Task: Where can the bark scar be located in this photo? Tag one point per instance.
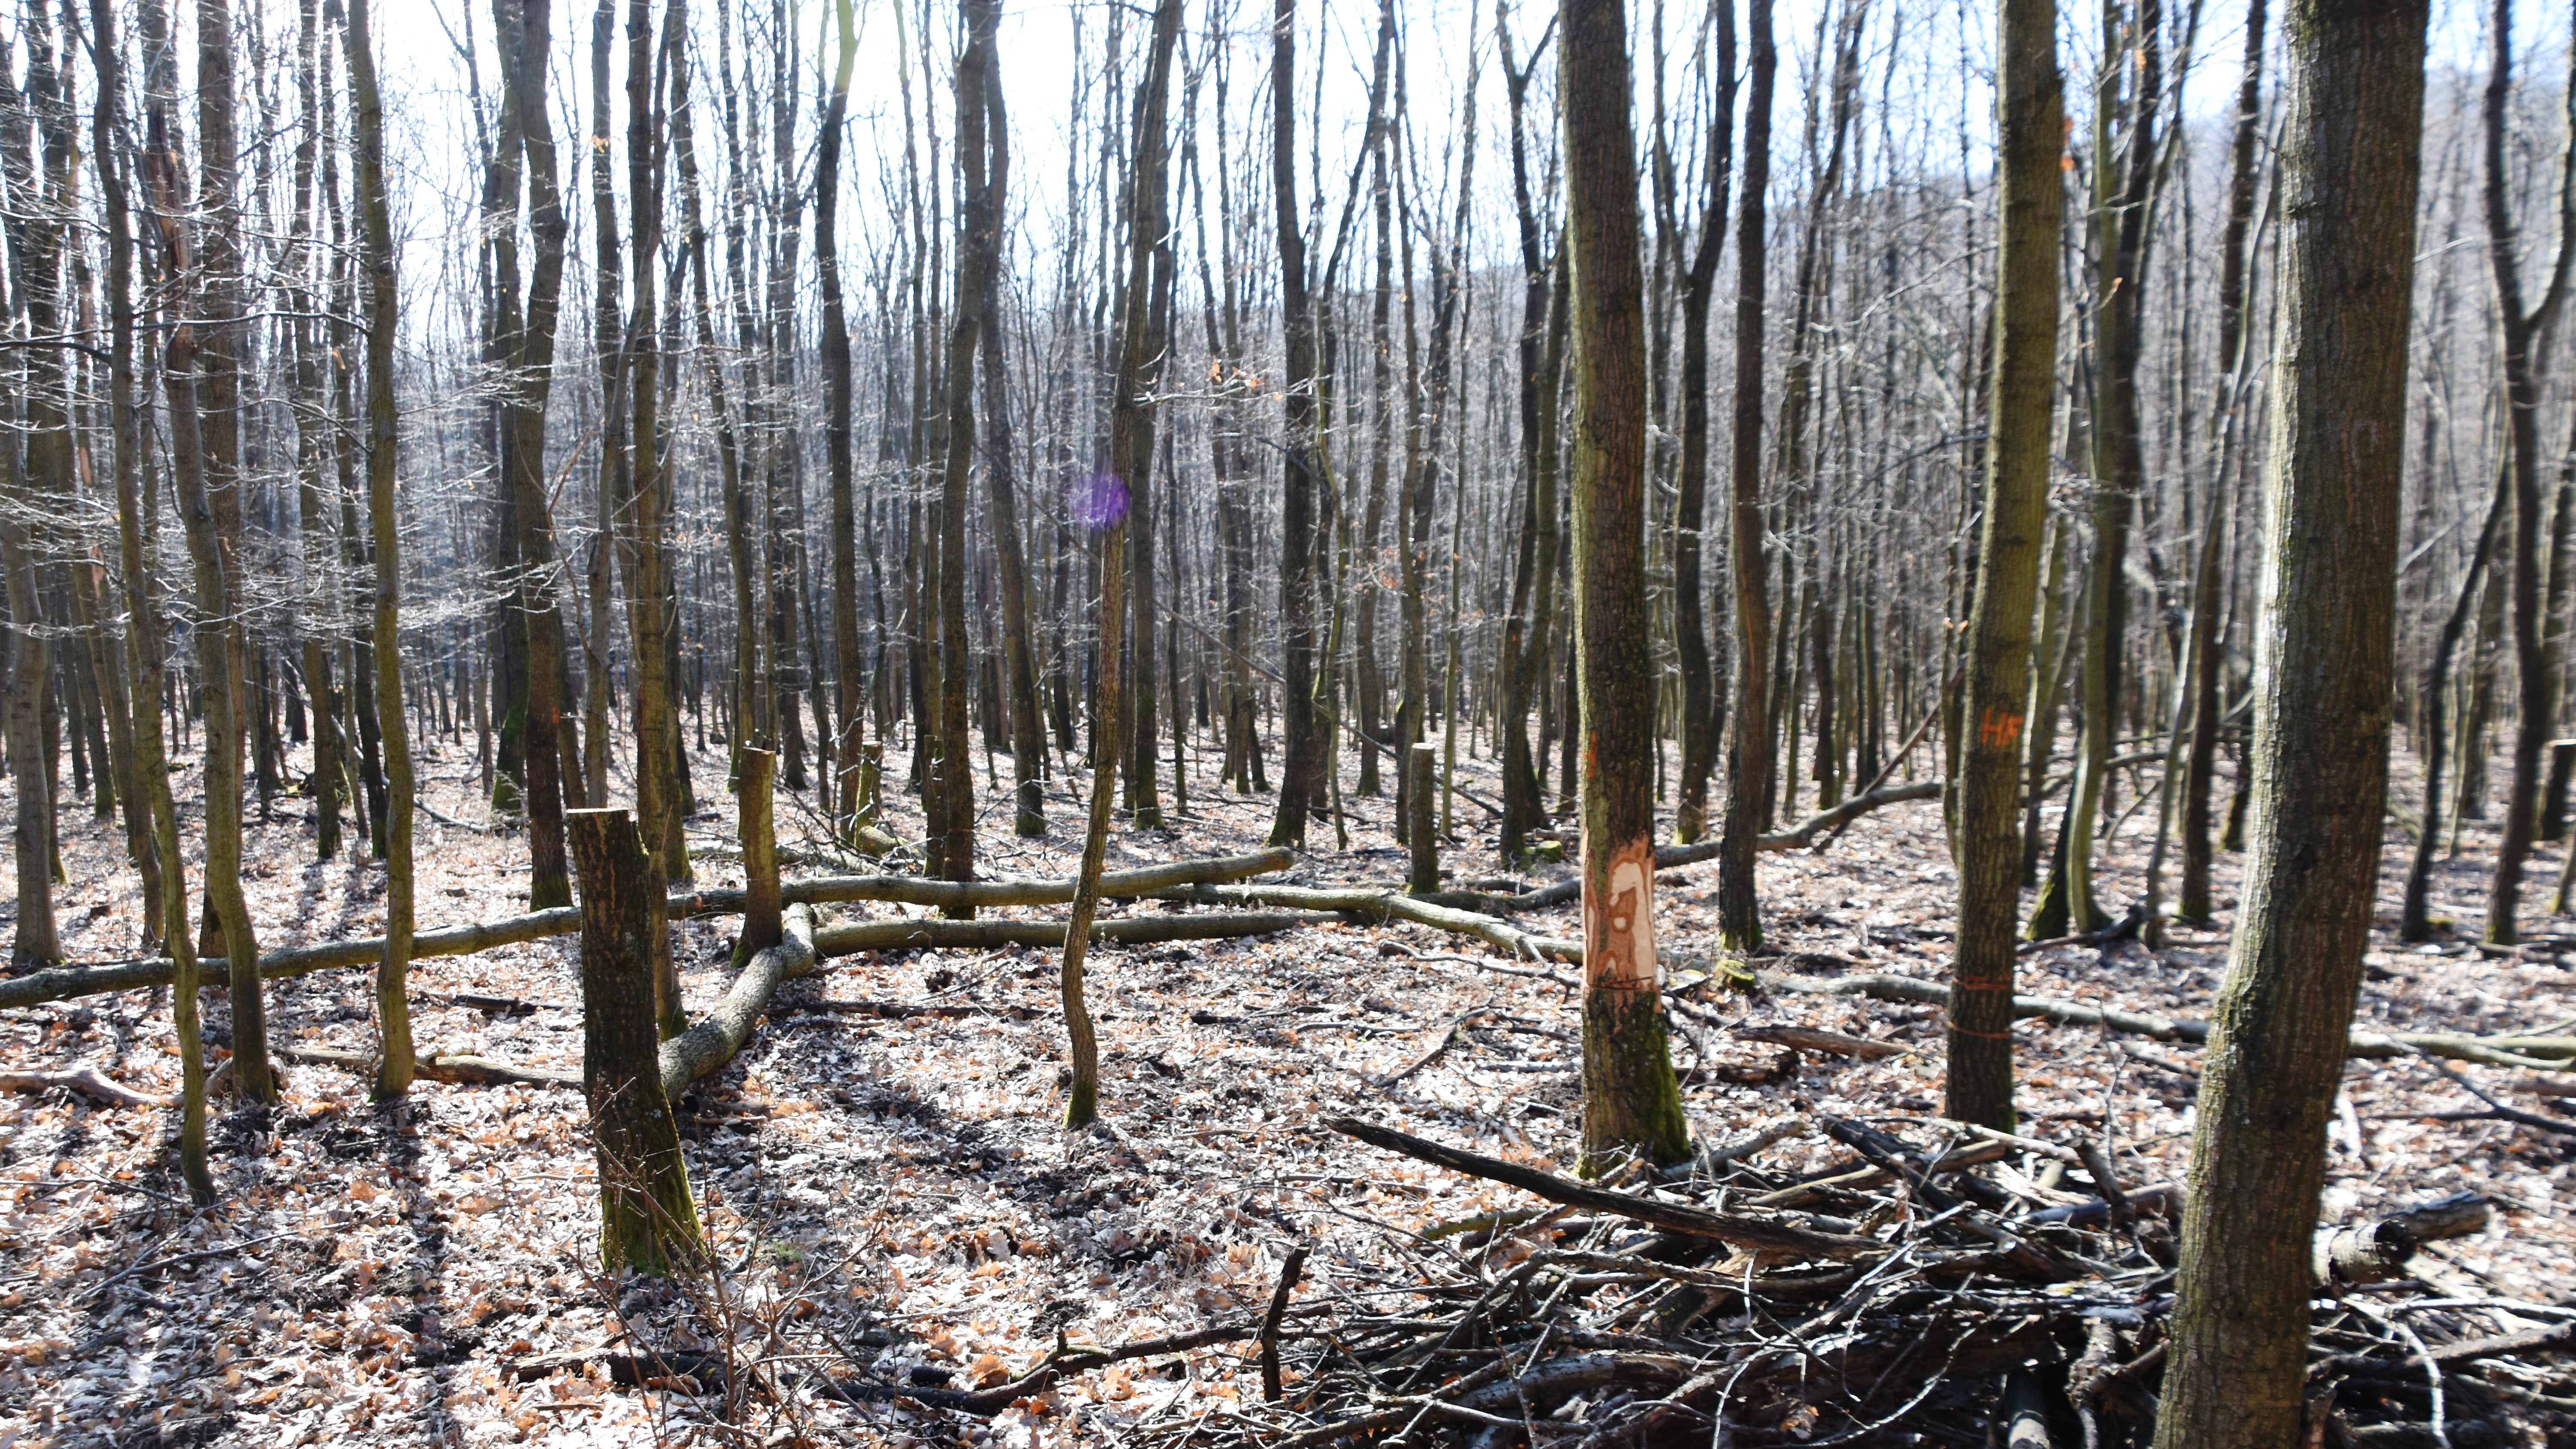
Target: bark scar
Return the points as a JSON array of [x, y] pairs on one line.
[[1621, 951]]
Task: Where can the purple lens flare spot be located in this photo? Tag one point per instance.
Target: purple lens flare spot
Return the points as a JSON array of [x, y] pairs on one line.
[[1098, 500]]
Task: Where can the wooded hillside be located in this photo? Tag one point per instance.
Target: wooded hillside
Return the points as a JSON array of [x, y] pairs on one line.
[[1582, 726]]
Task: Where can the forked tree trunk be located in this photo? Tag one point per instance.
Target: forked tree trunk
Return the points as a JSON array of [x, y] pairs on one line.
[[1699, 286]]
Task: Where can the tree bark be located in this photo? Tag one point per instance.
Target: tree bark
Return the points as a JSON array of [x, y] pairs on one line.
[[2521, 367], [1748, 756], [1301, 772], [216, 676], [376, 259], [1631, 1103], [2031, 106], [2322, 689], [144, 654], [648, 1221]]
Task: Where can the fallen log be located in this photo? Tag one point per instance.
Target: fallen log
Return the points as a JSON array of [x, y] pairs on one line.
[[702, 1050], [459, 1068], [1673, 857], [1378, 907], [713, 1039], [2376, 1251], [1778, 1238], [851, 937], [920, 891], [89, 1082], [2551, 1053], [65, 983]]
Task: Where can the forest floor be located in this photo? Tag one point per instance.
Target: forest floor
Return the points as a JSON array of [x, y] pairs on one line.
[[898, 1193]]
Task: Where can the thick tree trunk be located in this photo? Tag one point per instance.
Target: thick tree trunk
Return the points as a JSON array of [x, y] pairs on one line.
[[2031, 105], [1631, 1104], [2237, 1371], [648, 1220]]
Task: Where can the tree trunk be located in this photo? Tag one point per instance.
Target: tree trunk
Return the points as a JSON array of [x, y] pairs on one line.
[[2237, 1370], [1748, 756], [952, 827], [143, 644], [393, 1009], [2031, 105], [849, 697], [2522, 431], [1301, 773], [216, 676], [2202, 669], [1699, 285], [648, 1220], [1631, 1104]]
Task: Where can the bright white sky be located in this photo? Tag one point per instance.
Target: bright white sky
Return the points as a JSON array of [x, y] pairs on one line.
[[1943, 54]]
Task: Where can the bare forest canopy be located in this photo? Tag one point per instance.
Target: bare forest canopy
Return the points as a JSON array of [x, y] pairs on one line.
[[1210, 475]]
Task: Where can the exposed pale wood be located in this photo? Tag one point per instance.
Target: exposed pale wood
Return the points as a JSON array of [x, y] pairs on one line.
[[87, 1081], [713, 1039]]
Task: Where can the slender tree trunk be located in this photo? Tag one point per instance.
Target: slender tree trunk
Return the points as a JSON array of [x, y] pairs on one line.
[[2202, 669], [1698, 287], [848, 678], [2237, 1372], [952, 828], [143, 644], [2522, 431], [2031, 105], [1748, 756], [1301, 773], [376, 260]]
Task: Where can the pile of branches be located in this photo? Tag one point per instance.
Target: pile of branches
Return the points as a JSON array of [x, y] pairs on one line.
[[1937, 1290]]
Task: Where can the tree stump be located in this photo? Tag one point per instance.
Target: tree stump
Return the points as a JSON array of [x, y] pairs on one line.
[[647, 1220]]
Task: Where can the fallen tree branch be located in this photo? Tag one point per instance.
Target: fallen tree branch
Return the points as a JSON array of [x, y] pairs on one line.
[[712, 1040], [460, 1068], [89, 1082], [855, 936], [1760, 1234], [921, 891], [1673, 857], [2515, 1051], [65, 983]]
